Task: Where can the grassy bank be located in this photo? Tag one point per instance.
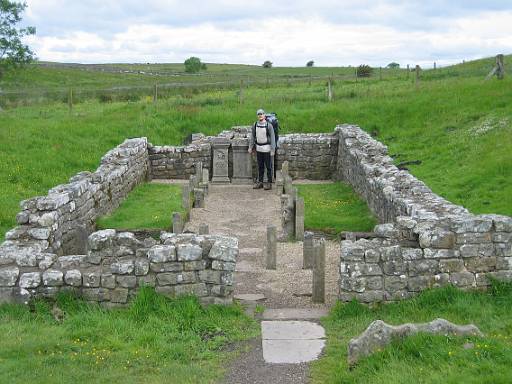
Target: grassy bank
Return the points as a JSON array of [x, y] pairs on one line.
[[425, 358], [148, 206], [458, 126], [333, 208], [155, 340]]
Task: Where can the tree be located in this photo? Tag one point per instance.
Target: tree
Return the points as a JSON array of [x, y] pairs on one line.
[[267, 64], [13, 53], [364, 70], [393, 65], [193, 65], [310, 63]]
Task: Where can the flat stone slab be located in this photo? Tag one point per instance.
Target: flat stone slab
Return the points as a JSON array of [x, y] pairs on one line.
[[291, 330], [295, 313], [291, 342], [291, 351], [249, 297]]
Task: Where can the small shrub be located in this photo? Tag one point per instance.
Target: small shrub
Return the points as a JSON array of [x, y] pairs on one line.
[[105, 98], [310, 63], [364, 71], [267, 64]]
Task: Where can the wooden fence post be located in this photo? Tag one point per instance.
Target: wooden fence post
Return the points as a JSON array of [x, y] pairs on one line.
[[500, 67], [417, 78], [329, 90], [155, 93]]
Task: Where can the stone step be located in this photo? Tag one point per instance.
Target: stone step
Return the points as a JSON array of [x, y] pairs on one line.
[[294, 313]]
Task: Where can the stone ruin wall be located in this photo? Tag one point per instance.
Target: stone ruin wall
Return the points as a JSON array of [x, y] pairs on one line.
[[117, 264], [425, 242]]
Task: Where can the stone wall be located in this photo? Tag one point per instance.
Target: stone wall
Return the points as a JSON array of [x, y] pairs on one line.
[[310, 156], [426, 241], [116, 264], [60, 222], [168, 162]]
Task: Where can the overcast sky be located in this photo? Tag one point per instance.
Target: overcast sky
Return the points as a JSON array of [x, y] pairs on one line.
[[288, 33]]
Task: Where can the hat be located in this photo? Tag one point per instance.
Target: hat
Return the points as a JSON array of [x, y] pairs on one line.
[[260, 112]]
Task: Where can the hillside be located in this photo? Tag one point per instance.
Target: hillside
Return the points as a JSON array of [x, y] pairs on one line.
[[457, 124]]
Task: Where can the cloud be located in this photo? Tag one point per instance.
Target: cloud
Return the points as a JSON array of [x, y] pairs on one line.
[[330, 33]]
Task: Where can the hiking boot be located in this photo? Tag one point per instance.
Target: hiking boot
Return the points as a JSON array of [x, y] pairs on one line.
[[267, 186], [258, 186]]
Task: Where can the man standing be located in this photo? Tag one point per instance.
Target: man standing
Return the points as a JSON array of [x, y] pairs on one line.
[[263, 141]]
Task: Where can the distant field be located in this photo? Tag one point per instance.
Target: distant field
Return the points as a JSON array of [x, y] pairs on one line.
[[456, 123]]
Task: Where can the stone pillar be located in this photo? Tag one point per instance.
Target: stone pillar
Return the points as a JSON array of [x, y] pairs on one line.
[[203, 229], [285, 169], [177, 222], [279, 183], [185, 197], [242, 166], [307, 251], [271, 250], [199, 172], [287, 218], [299, 219], [220, 147], [287, 184], [318, 271], [198, 198], [206, 176]]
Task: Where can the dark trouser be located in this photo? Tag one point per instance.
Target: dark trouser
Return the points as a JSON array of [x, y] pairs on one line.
[[264, 162]]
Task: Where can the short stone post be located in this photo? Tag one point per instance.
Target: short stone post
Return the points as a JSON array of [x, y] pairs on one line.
[[177, 222], [242, 165], [220, 148], [203, 229], [307, 250], [206, 176], [299, 219], [500, 67], [417, 78], [319, 271], [198, 198], [192, 182], [185, 197], [270, 261], [279, 183], [285, 168], [199, 172]]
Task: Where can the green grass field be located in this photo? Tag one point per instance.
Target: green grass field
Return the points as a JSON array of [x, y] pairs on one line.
[[333, 208], [155, 340], [148, 206], [424, 358], [456, 123]]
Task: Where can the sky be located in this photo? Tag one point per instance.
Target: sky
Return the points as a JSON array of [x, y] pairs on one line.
[[288, 33]]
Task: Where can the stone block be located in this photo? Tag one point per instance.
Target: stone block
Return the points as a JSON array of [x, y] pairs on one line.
[[108, 280], [166, 267], [463, 279], [394, 267], [437, 238], [354, 269], [441, 279], [472, 224], [9, 276], [141, 266], [420, 283], [209, 276], [91, 279], [469, 250], [122, 267], [374, 283], [30, 280], [502, 223], [127, 239], [167, 290], [73, 277], [504, 263], [189, 252], [451, 265], [353, 284], [94, 257], [53, 278], [372, 256], [96, 294], [502, 237], [412, 253], [390, 253], [198, 289], [101, 239], [387, 230], [480, 264], [126, 281], [395, 283], [162, 254], [167, 278], [147, 280], [119, 295], [194, 265], [503, 249], [225, 249], [223, 266], [440, 253], [222, 290], [371, 296], [422, 267], [46, 260], [186, 277], [226, 278], [39, 233], [474, 238], [351, 251]]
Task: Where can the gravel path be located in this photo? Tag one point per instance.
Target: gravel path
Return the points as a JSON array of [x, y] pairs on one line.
[[238, 210]]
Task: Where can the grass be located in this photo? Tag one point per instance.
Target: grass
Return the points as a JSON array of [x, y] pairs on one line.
[[457, 124], [333, 208], [155, 340], [424, 358], [148, 206]]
